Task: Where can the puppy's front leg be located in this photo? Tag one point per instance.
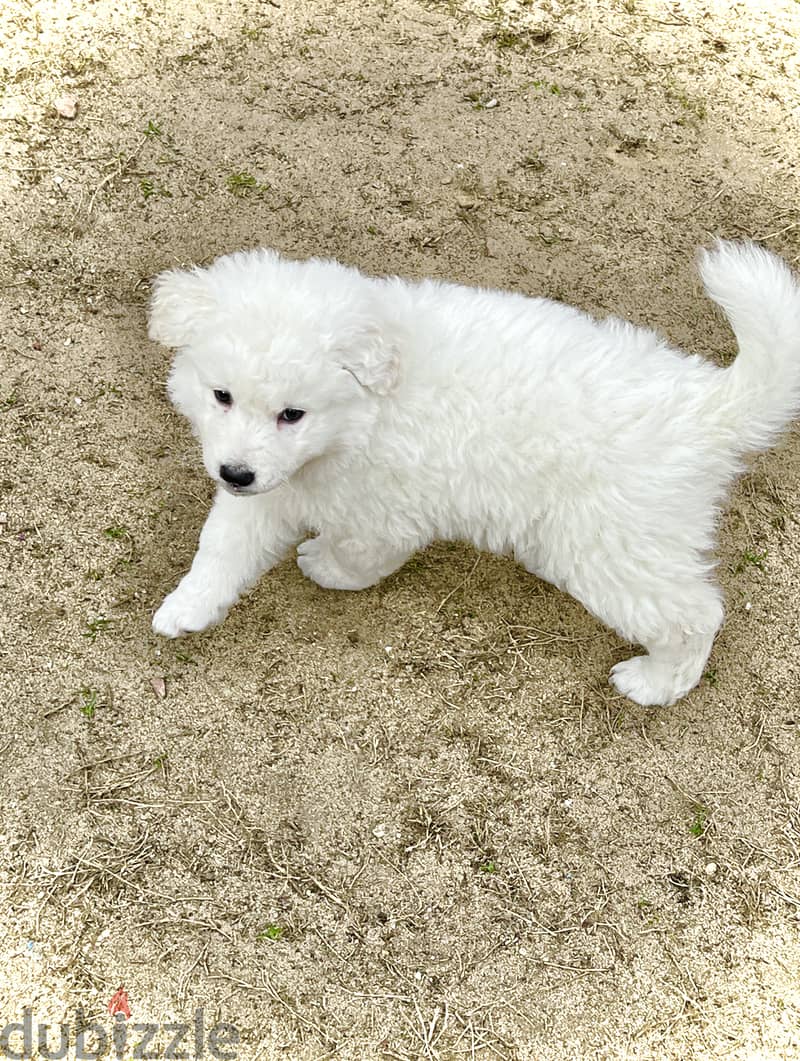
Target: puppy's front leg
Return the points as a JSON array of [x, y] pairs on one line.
[[242, 538]]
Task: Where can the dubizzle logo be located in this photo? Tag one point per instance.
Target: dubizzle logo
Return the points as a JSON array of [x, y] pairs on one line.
[[85, 1041]]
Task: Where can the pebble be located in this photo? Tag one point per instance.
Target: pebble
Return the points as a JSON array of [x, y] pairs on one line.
[[66, 106]]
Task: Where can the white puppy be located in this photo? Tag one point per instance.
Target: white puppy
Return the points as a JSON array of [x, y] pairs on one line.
[[379, 415]]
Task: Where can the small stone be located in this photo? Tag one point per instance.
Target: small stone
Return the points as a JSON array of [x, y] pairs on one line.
[[547, 233], [66, 106]]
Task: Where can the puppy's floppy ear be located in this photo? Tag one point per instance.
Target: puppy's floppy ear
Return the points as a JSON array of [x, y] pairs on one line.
[[371, 357], [181, 305]]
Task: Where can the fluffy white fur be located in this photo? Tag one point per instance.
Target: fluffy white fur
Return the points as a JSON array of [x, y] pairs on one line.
[[592, 452]]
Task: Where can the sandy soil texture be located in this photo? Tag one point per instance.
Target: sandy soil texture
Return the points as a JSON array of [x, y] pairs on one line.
[[413, 822]]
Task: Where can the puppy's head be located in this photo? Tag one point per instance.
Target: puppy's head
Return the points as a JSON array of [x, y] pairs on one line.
[[279, 363]]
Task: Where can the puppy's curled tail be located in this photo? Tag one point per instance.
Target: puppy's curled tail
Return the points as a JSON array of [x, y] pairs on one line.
[[760, 392]]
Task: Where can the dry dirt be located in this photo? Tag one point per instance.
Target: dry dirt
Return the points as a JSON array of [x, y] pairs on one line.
[[413, 822]]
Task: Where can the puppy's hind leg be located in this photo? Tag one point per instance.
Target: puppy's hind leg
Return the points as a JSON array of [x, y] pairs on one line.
[[677, 651], [675, 617]]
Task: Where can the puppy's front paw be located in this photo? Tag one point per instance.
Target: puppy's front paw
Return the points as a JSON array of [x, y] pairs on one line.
[[185, 612]]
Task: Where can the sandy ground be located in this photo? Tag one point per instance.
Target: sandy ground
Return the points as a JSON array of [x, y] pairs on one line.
[[413, 822]]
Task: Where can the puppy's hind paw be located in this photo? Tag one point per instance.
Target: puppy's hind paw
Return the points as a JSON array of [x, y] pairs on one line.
[[646, 682]]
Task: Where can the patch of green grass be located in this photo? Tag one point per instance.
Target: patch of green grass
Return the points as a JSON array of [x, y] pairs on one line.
[[711, 676], [751, 559], [253, 33], [487, 867], [95, 627], [152, 129], [115, 533], [149, 188], [694, 109], [105, 389], [89, 703], [243, 183], [694, 106], [546, 86], [240, 183], [270, 932], [699, 822], [9, 402]]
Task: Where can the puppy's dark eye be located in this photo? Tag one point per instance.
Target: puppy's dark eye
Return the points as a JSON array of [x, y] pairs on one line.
[[291, 416], [224, 397]]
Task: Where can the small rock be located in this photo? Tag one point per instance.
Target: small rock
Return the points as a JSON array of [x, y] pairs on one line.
[[159, 686], [547, 233], [66, 106]]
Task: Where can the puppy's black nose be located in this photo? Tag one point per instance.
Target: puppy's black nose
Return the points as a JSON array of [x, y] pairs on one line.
[[236, 475]]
